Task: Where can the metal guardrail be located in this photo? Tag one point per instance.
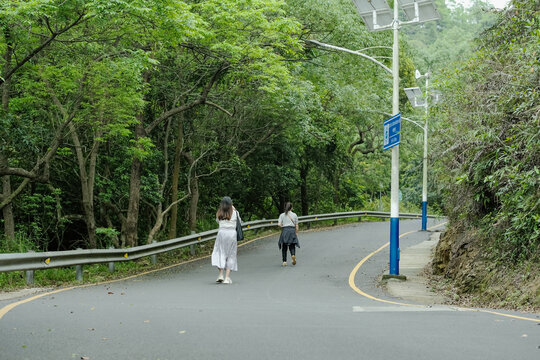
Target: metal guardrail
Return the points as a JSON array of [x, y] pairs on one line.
[[52, 259]]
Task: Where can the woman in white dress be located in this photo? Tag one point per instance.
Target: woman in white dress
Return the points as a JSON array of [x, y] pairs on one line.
[[225, 247]]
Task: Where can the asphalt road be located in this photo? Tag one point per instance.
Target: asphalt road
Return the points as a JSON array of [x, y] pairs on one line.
[[308, 311]]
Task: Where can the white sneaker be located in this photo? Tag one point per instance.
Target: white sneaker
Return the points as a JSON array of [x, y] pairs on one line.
[[284, 263], [219, 279], [227, 281]]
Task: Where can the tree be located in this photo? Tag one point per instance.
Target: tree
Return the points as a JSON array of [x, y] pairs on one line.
[[18, 50]]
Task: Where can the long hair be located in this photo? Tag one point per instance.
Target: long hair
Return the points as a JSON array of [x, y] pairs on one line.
[[288, 207], [224, 211]]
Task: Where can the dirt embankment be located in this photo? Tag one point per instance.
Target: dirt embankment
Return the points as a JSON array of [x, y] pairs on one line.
[[463, 272]]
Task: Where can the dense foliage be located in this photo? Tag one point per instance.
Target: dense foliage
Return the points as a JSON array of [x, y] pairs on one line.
[[488, 141], [124, 122]]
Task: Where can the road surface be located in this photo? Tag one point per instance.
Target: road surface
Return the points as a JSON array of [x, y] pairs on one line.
[[308, 311]]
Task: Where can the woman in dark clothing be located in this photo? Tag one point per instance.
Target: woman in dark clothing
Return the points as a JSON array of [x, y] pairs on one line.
[[288, 221]]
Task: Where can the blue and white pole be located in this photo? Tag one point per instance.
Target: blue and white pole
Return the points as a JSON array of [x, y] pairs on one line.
[[394, 190], [424, 182], [424, 177]]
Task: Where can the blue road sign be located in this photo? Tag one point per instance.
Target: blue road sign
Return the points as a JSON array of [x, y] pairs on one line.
[[392, 131]]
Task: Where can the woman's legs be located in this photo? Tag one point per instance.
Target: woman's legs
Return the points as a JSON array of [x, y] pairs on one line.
[[292, 249], [220, 277], [227, 278], [284, 253]]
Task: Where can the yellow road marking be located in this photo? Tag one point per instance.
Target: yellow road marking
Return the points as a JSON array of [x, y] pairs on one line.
[[7, 308], [352, 284], [355, 288]]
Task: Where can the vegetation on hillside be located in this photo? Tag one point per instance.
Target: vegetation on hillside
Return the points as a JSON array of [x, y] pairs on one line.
[[487, 149]]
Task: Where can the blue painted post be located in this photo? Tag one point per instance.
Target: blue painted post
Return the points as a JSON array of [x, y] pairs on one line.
[[424, 215], [394, 246]]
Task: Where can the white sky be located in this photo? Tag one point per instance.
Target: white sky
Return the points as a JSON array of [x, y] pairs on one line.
[[499, 4]]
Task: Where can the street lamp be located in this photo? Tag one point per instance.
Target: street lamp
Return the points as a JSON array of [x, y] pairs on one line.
[[417, 99], [415, 96], [377, 16]]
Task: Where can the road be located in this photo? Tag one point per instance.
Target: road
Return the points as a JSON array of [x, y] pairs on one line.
[[307, 311]]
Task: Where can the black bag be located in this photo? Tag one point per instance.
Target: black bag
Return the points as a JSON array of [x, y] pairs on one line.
[[239, 232]]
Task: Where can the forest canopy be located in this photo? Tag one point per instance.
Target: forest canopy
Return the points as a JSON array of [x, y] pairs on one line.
[[126, 122]]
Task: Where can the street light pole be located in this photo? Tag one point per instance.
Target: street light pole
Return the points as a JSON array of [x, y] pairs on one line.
[[394, 189], [418, 100], [424, 177], [377, 16]]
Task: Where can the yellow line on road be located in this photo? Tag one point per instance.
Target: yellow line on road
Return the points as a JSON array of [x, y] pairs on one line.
[[357, 267], [353, 273], [7, 308]]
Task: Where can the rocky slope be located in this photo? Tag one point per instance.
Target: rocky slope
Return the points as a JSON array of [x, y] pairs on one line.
[[462, 270]]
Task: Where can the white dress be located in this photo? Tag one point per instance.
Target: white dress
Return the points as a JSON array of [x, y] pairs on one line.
[[225, 247]]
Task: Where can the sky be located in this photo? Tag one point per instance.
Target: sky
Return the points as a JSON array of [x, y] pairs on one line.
[[499, 4]]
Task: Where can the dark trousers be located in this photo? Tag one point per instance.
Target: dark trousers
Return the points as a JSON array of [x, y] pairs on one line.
[[292, 249]]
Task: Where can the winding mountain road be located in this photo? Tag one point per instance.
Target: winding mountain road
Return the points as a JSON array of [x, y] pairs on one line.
[[309, 311]]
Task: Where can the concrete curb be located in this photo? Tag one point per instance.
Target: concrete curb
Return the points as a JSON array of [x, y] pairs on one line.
[[21, 293], [413, 260]]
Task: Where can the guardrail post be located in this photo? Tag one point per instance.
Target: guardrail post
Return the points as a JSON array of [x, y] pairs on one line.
[[153, 258], [259, 230], [192, 247], [335, 222], [111, 263], [30, 274], [308, 225], [359, 219], [79, 271]]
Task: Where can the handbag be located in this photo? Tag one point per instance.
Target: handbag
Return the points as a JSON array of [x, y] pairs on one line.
[[239, 232]]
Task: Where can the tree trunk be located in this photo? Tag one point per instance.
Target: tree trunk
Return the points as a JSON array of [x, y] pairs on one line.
[[304, 168], [132, 217], [194, 192], [157, 225], [336, 191], [160, 214], [9, 221], [175, 176], [193, 203], [129, 228], [87, 184], [280, 199]]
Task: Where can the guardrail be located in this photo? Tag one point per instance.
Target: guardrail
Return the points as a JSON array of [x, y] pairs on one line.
[[52, 259]]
